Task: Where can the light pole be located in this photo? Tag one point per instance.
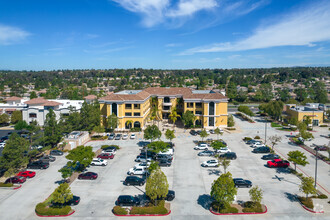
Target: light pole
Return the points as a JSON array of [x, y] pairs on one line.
[[315, 168]]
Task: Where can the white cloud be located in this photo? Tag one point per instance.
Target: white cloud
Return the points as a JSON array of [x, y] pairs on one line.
[[189, 7], [303, 28], [11, 35], [173, 45]]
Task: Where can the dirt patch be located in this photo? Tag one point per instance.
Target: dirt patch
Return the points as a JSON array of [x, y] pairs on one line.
[[73, 177]]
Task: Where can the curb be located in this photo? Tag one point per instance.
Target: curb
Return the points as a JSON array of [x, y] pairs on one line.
[[17, 187], [240, 213], [310, 210], [55, 215], [137, 215]]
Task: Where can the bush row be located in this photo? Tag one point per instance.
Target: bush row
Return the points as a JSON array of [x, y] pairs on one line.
[[105, 146], [308, 202], [119, 210], [42, 209], [98, 137], [245, 109], [321, 196], [136, 129], [220, 208], [252, 207], [6, 184]]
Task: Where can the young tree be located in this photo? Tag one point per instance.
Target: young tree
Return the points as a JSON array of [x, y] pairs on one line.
[[218, 132], [255, 194], [52, 130], [4, 119], [33, 95], [174, 116], [82, 154], [225, 163], [129, 124], [98, 129], [307, 186], [274, 140], [297, 157], [62, 194], [188, 118], [223, 190], [217, 145], [169, 134], [66, 172], [16, 116], [20, 125], [230, 122], [152, 132], [158, 146], [90, 115], [153, 166], [157, 185], [112, 122], [203, 134]]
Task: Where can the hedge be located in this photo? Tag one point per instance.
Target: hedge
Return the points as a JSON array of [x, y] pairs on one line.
[[223, 209], [252, 207], [245, 109], [257, 137], [105, 146], [323, 125], [119, 210], [321, 196], [136, 129], [6, 184], [230, 128], [247, 139], [42, 209], [306, 202], [98, 137], [159, 209], [275, 125]]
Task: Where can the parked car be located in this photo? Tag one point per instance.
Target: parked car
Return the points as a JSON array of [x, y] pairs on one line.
[[125, 137], [36, 147], [261, 150], [239, 182], [210, 163], [27, 174], [257, 144], [74, 201], [99, 162], [164, 163], [249, 142], [48, 159], [111, 136], [38, 165], [88, 176], [137, 171], [109, 151], [169, 151], [223, 150], [142, 158], [199, 132], [164, 157], [212, 131], [321, 148], [149, 153], [143, 165], [229, 155], [278, 163], [202, 146], [206, 153], [106, 156], [56, 153], [118, 137], [169, 197], [134, 180], [270, 157], [16, 179], [133, 136], [193, 133], [2, 145], [127, 200]]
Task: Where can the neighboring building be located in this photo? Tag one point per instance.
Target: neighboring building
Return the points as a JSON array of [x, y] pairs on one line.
[[90, 98], [134, 106], [38, 108], [12, 104], [301, 112], [76, 138]]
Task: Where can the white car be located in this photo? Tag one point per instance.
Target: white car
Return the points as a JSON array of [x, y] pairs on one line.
[[98, 162], [142, 165], [133, 136], [110, 151], [223, 150], [169, 152], [202, 146], [210, 163], [257, 144], [125, 137], [2, 145], [136, 171]]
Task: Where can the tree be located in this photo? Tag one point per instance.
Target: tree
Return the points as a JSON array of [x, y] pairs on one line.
[[204, 134], [112, 122], [266, 92], [297, 157], [320, 92], [218, 132], [158, 146], [4, 119], [153, 166], [223, 190], [13, 158], [33, 95], [273, 108], [62, 194], [16, 116], [157, 185], [293, 121], [174, 116], [90, 116], [82, 154], [169, 134], [188, 118], [66, 172], [225, 163], [152, 132], [230, 122], [98, 129], [307, 186], [255, 194], [52, 131], [217, 145], [307, 120], [274, 140], [284, 94], [129, 124], [20, 125], [301, 94]]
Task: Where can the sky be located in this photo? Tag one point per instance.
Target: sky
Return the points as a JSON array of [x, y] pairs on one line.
[[163, 34]]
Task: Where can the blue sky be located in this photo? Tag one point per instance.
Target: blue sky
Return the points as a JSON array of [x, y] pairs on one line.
[[166, 34]]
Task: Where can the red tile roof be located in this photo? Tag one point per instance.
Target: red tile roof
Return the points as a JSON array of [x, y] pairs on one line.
[[13, 98], [36, 101], [51, 103], [90, 97]]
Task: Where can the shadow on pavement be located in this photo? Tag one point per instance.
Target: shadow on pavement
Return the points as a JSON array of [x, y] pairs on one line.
[[291, 197], [214, 172], [205, 201], [283, 170]]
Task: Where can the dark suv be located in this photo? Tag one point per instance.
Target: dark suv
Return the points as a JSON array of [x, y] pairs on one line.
[[38, 165], [229, 155], [193, 133], [134, 180], [126, 200], [163, 157], [56, 153], [74, 201], [164, 163], [169, 197], [261, 150]]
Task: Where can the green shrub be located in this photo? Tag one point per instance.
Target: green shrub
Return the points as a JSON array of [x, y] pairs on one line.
[[247, 138], [119, 210], [324, 125], [322, 196], [99, 137], [6, 184], [136, 129], [245, 109], [293, 128], [42, 209], [231, 129], [275, 125], [285, 124], [105, 146], [306, 202], [257, 137], [309, 129], [159, 209], [223, 208], [252, 207]]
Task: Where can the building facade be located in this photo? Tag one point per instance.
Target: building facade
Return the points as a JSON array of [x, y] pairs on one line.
[[133, 107], [301, 113]]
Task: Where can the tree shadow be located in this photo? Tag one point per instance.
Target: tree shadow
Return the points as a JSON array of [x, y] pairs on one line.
[[143, 143], [291, 197], [214, 172], [205, 201], [282, 170]]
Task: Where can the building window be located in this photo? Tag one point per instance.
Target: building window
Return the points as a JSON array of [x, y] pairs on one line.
[[211, 121], [128, 106], [211, 108], [33, 115], [167, 100], [128, 113], [137, 114], [166, 107], [136, 106], [198, 112], [198, 105], [190, 105]]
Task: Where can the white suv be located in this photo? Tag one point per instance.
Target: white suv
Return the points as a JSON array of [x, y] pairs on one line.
[[98, 162], [223, 150], [257, 144], [136, 171], [202, 146], [142, 165], [210, 163], [110, 151]]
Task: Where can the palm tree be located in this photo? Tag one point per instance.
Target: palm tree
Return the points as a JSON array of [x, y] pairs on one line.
[[174, 116], [129, 123]]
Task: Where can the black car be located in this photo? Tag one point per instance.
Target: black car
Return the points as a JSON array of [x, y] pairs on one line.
[[47, 159], [261, 150], [249, 142], [38, 165], [134, 180], [118, 137], [199, 132], [126, 200], [164, 157], [142, 158], [169, 197], [111, 136], [111, 147], [229, 155], [74, 201], [149, 153], [164, 163], [193, 133], [239, 182], [206, 153], [270, 157], [2, 172], [321, 148], [56, 153]]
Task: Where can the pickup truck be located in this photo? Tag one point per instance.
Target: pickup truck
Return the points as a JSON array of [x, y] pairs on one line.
[[278, 163]]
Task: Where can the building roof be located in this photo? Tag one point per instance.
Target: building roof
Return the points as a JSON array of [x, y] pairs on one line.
[[13, 98], [51, 103], [90, 97], [36, 101]]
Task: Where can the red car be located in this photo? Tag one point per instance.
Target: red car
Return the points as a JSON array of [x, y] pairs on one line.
[[106, 156], [27, 174], [278, 163], [88, 176], [16, 179]]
